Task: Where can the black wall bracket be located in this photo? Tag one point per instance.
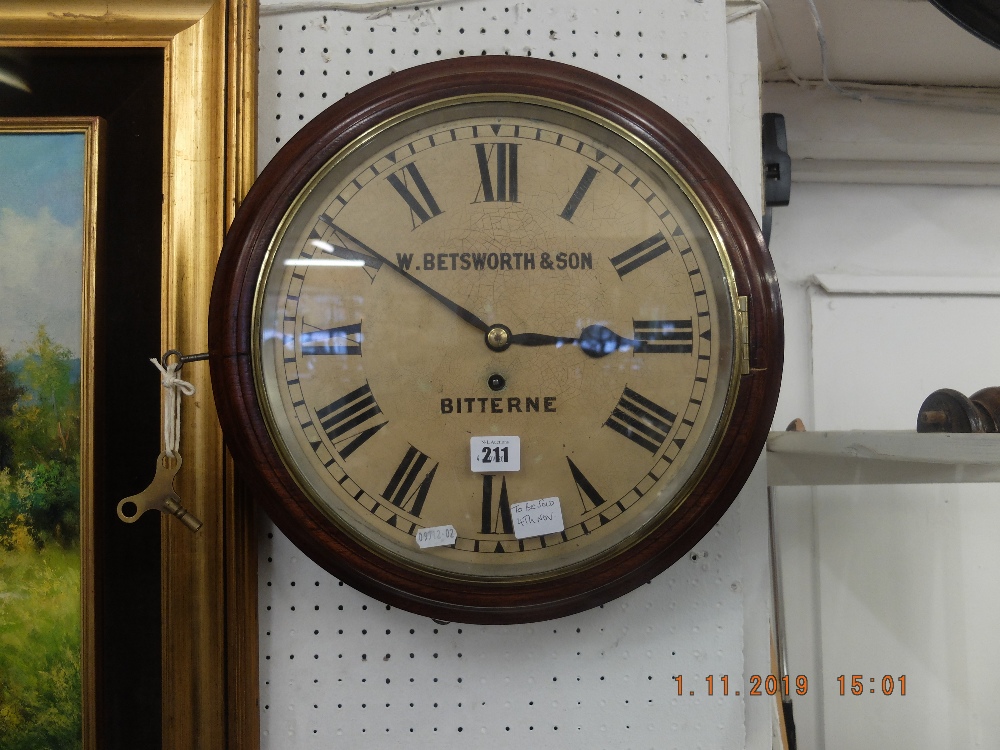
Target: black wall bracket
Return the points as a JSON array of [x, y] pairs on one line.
[[777, 167]]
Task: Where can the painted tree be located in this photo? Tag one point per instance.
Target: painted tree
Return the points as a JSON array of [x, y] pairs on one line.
[[46, 420], [10, 393], [45, 434]]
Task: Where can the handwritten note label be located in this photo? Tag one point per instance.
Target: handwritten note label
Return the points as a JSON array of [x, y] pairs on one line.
[[537, 517], [436, 536], [496, 453]]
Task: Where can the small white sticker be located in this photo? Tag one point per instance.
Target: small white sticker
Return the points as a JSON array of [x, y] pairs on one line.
[[436, 536], [537, 517], [496, 453]]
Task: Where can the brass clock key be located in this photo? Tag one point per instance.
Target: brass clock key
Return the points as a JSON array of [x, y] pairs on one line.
[[159, 495]]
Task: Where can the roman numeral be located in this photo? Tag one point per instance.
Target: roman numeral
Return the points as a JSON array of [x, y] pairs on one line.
[[640, 254], [423, 208], [581, 190], [642, 421], [663, 336], [400, 490], [496, 515], [334, 240], [341, 418], [584, 488], [498, 159], [340, 340]]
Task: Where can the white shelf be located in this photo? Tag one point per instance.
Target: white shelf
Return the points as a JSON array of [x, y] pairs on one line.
[[881, 457], [949, 286]]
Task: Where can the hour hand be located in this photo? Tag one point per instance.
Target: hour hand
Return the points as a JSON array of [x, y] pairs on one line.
[[595, 341]]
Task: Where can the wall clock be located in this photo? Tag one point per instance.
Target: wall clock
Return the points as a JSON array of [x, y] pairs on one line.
[[495, 340]]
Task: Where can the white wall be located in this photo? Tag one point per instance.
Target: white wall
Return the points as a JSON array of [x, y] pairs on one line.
[[889, 580]]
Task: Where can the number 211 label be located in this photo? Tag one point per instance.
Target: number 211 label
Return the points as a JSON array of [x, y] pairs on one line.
[[496, 453]]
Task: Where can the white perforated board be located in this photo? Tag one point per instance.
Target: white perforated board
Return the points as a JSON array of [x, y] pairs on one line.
[[671, 51], [339, 669]]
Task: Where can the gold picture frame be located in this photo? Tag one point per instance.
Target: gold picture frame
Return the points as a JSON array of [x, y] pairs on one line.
[[208, 580], [56, 190]]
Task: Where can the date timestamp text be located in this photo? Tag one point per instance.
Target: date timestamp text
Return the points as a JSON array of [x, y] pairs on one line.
[[857, 684], [786, 685], [759, 685]]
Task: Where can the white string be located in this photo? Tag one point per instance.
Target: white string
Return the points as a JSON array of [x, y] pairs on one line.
[[172, 405]]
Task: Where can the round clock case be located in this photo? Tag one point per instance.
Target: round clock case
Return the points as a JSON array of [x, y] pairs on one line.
[[484, 257]]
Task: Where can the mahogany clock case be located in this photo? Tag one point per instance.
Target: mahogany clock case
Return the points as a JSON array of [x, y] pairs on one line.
[[231, 333]]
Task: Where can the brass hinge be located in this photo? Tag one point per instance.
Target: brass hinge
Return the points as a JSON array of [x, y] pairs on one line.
[[743, 325]]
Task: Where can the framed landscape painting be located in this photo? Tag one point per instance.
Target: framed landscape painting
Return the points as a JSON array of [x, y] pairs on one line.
[[49, 210]]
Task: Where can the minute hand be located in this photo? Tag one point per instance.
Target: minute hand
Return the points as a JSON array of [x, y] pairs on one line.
[[595, 341], [460, 311]]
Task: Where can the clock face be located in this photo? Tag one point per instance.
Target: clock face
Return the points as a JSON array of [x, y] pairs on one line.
[[496, 342]]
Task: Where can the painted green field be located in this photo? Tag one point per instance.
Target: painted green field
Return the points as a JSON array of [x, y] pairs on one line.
[[39, 647]]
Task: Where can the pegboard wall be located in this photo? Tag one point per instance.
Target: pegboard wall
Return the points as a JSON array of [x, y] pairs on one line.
[[339, 669], [671, 51]]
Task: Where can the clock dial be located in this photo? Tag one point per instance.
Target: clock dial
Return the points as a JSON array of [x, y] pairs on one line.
[[530, 221], [480, 264]]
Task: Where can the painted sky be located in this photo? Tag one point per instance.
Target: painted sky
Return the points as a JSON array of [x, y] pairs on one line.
[[41, 238]]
